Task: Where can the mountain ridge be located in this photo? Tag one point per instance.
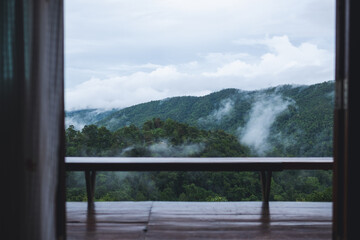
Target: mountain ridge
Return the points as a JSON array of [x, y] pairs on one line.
[[294, 119]]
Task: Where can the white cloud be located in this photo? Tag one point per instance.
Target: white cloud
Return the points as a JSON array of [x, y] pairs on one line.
[[119, 92], [283, 57], [283, 63], [119, 52], [121, 32]]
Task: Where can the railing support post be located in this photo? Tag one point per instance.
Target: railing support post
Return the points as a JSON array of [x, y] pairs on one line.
[[265, 177], [90, 177]]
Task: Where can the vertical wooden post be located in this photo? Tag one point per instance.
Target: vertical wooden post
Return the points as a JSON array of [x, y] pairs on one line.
[[265, 178], [90, 178]]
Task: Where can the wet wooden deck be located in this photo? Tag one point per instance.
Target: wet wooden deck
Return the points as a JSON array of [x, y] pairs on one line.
[[199, 220]]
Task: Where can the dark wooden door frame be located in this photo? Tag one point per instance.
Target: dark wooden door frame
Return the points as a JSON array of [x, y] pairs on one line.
[[346, 121], [346, 130]]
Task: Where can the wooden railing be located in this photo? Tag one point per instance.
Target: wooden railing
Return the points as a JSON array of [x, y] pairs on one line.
[[264, 165]]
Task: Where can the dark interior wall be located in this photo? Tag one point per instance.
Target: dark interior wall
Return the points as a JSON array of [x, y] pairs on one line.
[[31, 106]]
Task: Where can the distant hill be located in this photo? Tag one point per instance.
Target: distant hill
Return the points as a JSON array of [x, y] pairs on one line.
[[80, 118], [281, 121]]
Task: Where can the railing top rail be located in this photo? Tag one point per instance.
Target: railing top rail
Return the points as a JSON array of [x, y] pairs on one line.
[[197, 159], [196, 164]]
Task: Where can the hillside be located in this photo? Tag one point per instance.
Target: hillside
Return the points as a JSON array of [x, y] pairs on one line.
[[280, 121], [155, 138], [80, 118], [158, 138]]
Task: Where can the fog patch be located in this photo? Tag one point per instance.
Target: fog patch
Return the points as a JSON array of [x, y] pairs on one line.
[[125, 150], [164, 149], [78, 124], [85, 117], [263, 114], [226, 106]]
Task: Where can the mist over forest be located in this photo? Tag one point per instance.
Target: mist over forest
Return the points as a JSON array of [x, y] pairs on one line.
[[286, 120], [283, 121]]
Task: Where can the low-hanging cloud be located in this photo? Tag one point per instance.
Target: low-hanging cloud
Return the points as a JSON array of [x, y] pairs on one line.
[[216, 116], [163, 148], [262, 115], [79, 121]]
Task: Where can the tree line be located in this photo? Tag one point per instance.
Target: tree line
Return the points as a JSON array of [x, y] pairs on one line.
[[170, 138]]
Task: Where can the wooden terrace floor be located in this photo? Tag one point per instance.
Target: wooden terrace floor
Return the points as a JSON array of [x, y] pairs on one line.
[[199, 220]]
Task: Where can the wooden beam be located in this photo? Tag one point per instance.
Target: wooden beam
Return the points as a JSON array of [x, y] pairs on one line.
[[90, 177], [265, 177], [195, 164]]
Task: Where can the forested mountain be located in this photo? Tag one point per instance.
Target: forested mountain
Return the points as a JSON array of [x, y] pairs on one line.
[[80, 118], [281, 121]]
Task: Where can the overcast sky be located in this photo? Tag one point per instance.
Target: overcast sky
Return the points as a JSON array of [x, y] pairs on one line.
[[122, 52]]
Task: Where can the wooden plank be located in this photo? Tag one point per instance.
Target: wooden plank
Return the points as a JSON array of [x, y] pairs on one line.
[[241, 208], [242, 226], [303, 233], [194, 164], [308, 164], [107, 220], [240, 220], [119, 212], [200, 220], [243, 218], [110, 207], [171, 164], [105, 231]]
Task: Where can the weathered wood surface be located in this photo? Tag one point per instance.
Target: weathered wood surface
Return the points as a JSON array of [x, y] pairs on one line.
[[195, 164], [199, 220]]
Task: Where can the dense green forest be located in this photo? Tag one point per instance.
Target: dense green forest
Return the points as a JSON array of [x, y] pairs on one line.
[[292, 120], [170, 138], [155, 138]]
